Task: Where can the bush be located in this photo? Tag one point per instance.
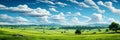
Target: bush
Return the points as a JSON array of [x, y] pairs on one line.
[[107, 30], [77, 32], [94, 33]]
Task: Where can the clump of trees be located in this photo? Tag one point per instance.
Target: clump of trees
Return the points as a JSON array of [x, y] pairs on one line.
[[113, 26], [77, 31]]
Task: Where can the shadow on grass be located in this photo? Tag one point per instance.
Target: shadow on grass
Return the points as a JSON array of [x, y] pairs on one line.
[[113, 32]]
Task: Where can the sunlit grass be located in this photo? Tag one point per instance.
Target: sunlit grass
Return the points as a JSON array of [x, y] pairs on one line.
[[37, 34]]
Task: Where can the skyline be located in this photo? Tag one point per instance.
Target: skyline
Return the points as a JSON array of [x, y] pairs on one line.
[[67, 12]]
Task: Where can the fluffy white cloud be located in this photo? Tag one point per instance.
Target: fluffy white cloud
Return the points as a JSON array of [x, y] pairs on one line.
[[2, 6], [59, 18], [111, 20], [6, 18], [19, 8], [38, 12], [74, 1], [82, 4], [110, 6], [53, 9], [9, 19], [86, 18], [100, 3], [21, 19], [77, 14], [75, 20], [93, 4], [96, 18], [43, 20], [61, 4]]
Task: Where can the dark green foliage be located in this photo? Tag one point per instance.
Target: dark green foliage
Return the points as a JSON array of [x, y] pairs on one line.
[[107, 30], [94, 32], [77, 32], [114, 26]]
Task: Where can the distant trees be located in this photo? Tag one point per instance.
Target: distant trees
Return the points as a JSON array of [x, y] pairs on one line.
[[113, 26], [77, 31]]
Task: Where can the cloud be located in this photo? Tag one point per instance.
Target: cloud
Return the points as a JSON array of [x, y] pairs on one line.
[[58, 18], [71, 14], [21, 19], [53, 3], [9, 19], [19, 8], [75, 20], [38, 12], [46, 1], [43, 20], [61, 4], [96, 18], [93, 4], [82, 4], [110, 6], [6, 18], [2, 6], [77, 14], [86, 18], [111, 20], [53, 9]]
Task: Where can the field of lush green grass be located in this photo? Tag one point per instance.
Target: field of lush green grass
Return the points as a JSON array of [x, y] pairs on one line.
[[40, 34]]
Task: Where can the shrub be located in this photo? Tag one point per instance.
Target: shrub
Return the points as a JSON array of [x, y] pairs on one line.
[[77, 32]]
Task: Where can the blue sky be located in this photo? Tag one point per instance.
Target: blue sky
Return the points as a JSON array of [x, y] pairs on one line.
[[67, 12]]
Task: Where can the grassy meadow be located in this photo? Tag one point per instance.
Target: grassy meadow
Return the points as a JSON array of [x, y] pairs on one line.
[[40, 33]]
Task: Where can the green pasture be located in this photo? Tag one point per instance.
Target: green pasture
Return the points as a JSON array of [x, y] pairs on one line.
[[57, 34]]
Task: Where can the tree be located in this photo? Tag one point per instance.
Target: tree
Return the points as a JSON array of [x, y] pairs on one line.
[[107, 30], [77, 32], [114, 26]]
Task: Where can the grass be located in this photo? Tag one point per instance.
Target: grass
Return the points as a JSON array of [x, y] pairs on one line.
[[37, 34]]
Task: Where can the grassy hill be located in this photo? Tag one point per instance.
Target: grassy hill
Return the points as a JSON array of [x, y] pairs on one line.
[[38, 34]]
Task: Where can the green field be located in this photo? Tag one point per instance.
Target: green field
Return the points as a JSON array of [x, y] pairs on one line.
[[45, 34]]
